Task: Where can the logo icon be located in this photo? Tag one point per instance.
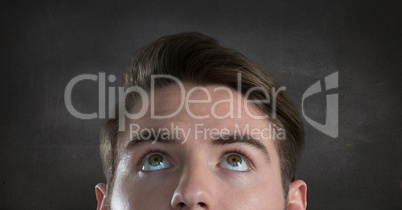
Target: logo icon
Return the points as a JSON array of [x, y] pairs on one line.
[[330, 127]]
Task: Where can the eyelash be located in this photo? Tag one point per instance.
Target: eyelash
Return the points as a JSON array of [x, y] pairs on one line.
[[236, 150]]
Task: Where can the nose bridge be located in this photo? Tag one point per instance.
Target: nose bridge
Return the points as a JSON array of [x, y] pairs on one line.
[[195, 187]]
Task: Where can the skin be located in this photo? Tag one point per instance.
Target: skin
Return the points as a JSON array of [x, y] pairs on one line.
[[197, 172]]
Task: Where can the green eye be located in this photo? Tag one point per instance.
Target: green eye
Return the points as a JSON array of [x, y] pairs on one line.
[[235, 162], [155, 161]]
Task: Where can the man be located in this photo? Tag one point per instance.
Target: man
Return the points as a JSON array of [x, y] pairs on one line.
[[202, 127]]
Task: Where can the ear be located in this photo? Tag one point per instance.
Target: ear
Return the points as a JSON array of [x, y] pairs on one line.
[[297, 196], [100, 192]]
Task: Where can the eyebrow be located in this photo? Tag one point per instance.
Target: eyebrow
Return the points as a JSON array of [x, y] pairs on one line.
[[216, 140], [242, 139], [150, 138]]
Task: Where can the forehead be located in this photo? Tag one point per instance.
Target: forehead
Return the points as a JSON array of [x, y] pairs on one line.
[[197, 110], [214, 102]]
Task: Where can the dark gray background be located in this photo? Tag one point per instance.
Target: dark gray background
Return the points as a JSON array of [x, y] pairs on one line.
[[49, 159]]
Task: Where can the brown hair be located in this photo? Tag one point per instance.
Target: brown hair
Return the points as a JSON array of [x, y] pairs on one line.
[[200, 60]]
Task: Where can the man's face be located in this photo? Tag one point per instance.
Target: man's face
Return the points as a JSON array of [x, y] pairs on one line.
[[210, 154]]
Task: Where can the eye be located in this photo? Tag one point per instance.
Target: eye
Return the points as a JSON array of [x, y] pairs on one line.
[[235, 162], [154, 161]]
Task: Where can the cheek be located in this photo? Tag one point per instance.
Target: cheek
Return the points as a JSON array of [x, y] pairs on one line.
[[264, 191], [261, 190], [261, 196], [267, 195], [139, 195], [138, 191]]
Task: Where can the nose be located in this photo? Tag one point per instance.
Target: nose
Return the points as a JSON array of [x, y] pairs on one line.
[[195, 189]]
